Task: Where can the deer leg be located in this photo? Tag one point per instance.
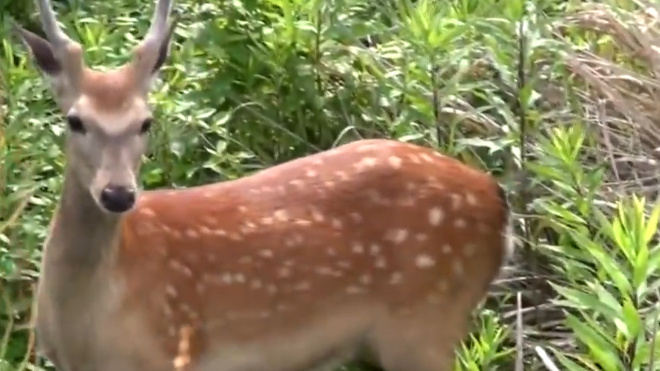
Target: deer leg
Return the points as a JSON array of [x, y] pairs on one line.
[[424, 339]]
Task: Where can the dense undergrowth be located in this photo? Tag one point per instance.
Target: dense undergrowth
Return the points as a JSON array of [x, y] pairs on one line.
[[558, 99]]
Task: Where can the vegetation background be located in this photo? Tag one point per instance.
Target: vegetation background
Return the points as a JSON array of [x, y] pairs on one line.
[[563, 92]]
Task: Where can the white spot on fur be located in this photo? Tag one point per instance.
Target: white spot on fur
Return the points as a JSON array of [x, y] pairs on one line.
[[327, 271], [317, 215], [147, 212], [191, 233], [220, 232], [281, 215], [395, 162], [457, 266], [469, 249], [396, 278], [179, 267], [284, 272], [365, 163], [365, 279], [421, 237], [297, 183], [380, 263], [341, 175], [435, 216], [400, 235], [460, 223], [239, 278], [424, 261], [170, 291], [354, 290], [456, 201], [302, 286]]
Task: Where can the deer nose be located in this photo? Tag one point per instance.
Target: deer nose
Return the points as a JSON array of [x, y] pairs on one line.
[[117, 199]]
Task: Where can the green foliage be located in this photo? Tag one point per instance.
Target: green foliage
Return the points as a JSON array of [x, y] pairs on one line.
[[487, 346], [608, 264], [258, 82]]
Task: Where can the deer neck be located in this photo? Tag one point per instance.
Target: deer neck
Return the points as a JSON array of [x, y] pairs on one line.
[[82, 236]]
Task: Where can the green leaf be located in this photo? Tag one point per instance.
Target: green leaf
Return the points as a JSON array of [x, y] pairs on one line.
[[570, 364], [632, 319], [583, 300], [605, 261], [652, 224], [600, 347]]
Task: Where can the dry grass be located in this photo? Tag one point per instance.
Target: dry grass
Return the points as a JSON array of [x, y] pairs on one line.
[[622, 92], [617, 76]]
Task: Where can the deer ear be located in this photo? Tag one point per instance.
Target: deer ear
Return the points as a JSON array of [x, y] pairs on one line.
[[41, 50]]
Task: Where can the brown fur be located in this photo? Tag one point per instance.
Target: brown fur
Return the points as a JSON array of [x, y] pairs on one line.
[[110, 91], [169, 265]]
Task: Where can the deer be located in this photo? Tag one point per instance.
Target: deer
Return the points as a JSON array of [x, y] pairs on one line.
[[375, 250]]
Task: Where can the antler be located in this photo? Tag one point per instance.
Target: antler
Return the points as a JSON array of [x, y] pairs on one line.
[[151, 52], [58, 39], [158, 30], [57, 53]]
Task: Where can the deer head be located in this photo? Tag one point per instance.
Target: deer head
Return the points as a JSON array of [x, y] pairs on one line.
[[107, 113]]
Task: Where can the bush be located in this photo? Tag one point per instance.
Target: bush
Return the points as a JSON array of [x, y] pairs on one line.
[[555, 98]]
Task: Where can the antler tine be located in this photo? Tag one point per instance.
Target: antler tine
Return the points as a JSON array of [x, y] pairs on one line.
[[54, 33], [150, 53], [158, 29]]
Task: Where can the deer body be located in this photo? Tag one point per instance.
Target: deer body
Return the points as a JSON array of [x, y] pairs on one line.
[[306, 262], [375, 249]]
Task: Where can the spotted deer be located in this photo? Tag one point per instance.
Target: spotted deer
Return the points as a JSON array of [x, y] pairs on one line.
[[375, 250]]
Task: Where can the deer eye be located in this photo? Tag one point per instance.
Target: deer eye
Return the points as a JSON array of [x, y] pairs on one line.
[[75, 124], [146, 125]]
